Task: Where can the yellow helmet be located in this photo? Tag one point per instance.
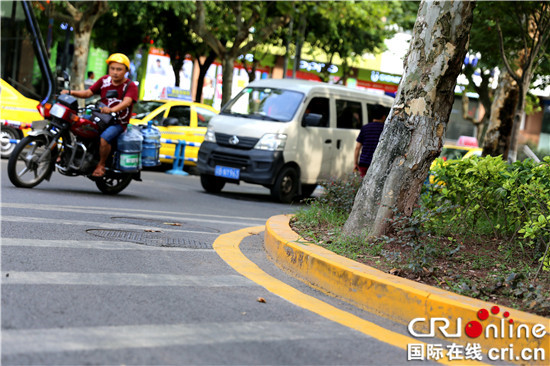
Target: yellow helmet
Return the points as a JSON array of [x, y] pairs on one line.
[[120, 58]]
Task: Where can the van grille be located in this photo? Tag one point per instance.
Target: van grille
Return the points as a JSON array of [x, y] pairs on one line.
[[245, 143], [229, 160]]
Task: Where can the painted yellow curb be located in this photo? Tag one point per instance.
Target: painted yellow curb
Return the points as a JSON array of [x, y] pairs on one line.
[[393, 297], [227, 247]]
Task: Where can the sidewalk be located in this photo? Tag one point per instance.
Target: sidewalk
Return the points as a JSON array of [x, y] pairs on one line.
[[402, 300]]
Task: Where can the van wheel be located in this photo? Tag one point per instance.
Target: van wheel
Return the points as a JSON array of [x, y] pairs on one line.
[[286, 185], [212, 184]]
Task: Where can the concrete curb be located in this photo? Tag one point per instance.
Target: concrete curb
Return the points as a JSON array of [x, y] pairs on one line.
[[396, 298]]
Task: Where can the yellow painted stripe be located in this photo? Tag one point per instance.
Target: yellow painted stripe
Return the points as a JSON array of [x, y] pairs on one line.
[[227, 247]]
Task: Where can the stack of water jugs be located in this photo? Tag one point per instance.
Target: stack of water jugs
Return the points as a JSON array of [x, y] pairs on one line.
[[138, 147]]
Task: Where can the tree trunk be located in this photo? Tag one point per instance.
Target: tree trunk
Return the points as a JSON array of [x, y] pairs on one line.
[[497, 139], [80, 57], [227, 73], [203, 69], [414, 131]]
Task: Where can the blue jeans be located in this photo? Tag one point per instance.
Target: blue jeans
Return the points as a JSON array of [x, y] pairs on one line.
[[112, 132]]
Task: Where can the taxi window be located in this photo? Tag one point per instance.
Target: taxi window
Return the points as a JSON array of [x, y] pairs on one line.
[[203, 116], [182, 114], [157, 118]]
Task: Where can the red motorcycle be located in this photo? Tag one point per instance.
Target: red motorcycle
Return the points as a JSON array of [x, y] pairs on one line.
[[68, 139]]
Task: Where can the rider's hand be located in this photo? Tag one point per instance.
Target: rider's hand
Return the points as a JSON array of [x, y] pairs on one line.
[[64, 91], [106, 110]]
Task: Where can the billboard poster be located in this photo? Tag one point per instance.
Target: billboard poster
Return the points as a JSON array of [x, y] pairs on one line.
[[159, 75]]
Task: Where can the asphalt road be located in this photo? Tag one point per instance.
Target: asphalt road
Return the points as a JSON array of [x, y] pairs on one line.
[[134, 279]]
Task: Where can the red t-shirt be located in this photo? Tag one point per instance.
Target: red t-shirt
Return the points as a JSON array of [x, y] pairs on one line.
[[104, 84]]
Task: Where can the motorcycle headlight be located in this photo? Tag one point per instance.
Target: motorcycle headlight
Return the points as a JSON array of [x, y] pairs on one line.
[[210, 136], [272, 142]]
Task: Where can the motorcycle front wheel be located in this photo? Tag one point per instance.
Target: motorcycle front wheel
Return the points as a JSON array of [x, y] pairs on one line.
[[30, 162], [113, 183]]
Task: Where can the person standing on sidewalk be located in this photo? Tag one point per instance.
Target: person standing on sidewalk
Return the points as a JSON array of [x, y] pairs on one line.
[[368, 138]]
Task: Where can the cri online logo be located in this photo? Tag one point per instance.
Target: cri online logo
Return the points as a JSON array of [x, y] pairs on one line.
[[474, 328]]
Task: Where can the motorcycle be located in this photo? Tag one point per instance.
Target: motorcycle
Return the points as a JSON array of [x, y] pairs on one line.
[[68, 139]]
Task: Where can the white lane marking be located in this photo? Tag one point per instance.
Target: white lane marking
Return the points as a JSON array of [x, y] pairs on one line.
[[89, 244], [148, 336], [142, 213], [121, 279], [99, 225]]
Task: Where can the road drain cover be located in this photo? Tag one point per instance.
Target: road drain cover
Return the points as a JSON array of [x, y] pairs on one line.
[[172, 224], [152, 238]]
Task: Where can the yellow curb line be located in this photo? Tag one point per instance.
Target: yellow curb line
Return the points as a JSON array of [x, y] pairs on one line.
[[390, 296], [227, 247]]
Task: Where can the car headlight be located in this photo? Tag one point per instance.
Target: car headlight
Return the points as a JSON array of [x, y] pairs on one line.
[[210, 136], [272, 142]]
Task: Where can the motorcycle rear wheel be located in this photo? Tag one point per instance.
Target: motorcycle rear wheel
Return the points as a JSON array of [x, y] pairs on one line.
[[30, 162], [113, 183]]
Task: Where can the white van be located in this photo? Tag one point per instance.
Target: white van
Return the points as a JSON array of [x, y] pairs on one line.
[[285, 134]]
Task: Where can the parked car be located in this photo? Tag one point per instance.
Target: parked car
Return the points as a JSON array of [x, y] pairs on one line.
[[176, 120], [14, 107]]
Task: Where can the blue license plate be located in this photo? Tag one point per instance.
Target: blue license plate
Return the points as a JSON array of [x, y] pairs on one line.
[[226, 172]]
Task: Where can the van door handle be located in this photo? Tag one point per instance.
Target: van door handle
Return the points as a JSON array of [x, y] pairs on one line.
[[329, 141], [338, 143]]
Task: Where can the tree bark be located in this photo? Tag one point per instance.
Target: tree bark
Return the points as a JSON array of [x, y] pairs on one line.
[[414, 131], [228, 64], [82, 20], [499, 132], [203, 69]]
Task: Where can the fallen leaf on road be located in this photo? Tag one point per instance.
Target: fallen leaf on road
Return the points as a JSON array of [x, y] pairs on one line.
[[260, 299], [172, 223]]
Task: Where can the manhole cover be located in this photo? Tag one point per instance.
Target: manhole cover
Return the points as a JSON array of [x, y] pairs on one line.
[[157, 239], [166, 223]]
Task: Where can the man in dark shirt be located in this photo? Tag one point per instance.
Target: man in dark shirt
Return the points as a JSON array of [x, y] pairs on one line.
[[368, 138]]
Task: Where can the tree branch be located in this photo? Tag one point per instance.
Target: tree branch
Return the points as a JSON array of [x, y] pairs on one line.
[[503, 55], [199, 26]]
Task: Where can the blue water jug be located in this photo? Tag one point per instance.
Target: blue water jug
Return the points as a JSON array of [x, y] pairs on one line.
[[129, 146], [151, 145]]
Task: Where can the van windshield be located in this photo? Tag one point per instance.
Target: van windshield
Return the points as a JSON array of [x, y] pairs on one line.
[[265, 103]]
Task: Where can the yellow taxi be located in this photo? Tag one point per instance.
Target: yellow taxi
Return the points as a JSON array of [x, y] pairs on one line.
[[176, 120], [17, 112]]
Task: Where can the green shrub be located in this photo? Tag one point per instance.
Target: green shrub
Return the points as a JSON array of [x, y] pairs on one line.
[[493, 197]]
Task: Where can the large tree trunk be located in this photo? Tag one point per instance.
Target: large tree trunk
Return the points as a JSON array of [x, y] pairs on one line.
[[497, 140], [414, 131]]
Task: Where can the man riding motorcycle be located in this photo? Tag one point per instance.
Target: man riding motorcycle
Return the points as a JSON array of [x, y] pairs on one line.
[[119, 65]]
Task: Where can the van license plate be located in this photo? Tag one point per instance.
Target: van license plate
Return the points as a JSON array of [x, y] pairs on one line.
[[226, 172]]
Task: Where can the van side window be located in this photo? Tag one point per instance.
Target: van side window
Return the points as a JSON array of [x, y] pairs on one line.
[[320, 106], [348, 114]]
